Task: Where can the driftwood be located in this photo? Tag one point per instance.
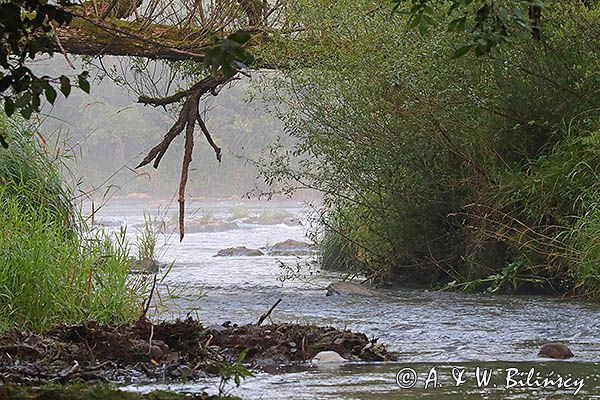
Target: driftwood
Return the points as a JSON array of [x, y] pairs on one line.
[[266, 315]]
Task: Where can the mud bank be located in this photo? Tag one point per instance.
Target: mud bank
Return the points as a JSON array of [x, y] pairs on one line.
[[179, 350]]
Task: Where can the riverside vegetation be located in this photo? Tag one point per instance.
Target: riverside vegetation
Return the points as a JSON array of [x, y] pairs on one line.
[[44, 244], [472, 173]]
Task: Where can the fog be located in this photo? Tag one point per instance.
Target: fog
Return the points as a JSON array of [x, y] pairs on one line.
[[102, 136]]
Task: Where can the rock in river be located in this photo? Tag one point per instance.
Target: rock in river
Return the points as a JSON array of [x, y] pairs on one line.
[[291, 248], [347, 288], [555, 350], [328, 357], [240, 251], [144, 266]]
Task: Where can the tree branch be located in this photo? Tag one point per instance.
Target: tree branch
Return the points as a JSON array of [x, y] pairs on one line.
[[188, 117]]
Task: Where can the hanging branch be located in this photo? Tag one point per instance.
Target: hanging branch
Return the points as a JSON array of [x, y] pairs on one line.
[[188, 117]]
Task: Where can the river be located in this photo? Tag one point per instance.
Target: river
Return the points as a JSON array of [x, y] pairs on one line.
[[436, 334]]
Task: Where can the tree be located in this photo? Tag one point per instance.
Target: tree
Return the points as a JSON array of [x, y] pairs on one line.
[[215, 35]]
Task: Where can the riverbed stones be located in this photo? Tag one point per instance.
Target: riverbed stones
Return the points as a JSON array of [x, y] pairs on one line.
[[349, 289], [555, 350], [240, 251], [328, 357], [290, 248], [197, 226], [144, 266]]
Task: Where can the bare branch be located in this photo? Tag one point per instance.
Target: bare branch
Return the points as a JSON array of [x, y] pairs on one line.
[[188, 117], [209, 139], [187, 159]]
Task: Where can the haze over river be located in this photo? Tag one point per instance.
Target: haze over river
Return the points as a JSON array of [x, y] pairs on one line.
[[423, 329]]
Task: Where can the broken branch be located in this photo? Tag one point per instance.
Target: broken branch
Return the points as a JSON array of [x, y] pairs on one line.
[[266, 315]]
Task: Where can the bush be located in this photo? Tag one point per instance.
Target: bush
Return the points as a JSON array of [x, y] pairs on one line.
[[481, 173]]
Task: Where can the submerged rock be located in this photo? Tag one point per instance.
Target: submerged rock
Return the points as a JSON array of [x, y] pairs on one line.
[[555, 350], [291, 248], [328, 357], [240, 251], [195, 226], [144, 266], [347, 288]]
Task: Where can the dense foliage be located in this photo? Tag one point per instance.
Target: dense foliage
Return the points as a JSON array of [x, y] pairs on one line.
[[476, 172]]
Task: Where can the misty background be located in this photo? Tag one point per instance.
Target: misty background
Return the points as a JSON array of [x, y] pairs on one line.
[[100, 137]]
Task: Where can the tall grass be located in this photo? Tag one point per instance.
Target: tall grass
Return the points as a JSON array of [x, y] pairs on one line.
[[26, 173], [50, 272]]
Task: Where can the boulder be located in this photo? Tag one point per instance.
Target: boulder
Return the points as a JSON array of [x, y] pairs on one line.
[[291, 248], [144, 266], [240, 251], [328, 357], [555, 350], [347, 288]]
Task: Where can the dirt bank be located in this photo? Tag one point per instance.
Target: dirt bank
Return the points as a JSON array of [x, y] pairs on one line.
[[176, 350]]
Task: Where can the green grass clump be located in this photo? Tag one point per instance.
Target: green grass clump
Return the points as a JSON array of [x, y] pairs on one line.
[[51, 272], [49, 276], [26, 173]]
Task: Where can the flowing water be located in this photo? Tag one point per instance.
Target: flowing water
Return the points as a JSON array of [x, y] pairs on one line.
[[435, 334]]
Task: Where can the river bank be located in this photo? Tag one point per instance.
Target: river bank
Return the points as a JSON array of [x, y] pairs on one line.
[[180, 350]]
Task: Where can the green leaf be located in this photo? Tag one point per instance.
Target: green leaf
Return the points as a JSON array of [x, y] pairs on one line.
[[5, 83], [65, 86], [83, 84], [457, 25], [26, 112], [50, 94], [9, 106], [461, 51], [423, 28], [23, 100]]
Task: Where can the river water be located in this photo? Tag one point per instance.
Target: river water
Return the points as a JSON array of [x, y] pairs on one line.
[[436, 334]]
